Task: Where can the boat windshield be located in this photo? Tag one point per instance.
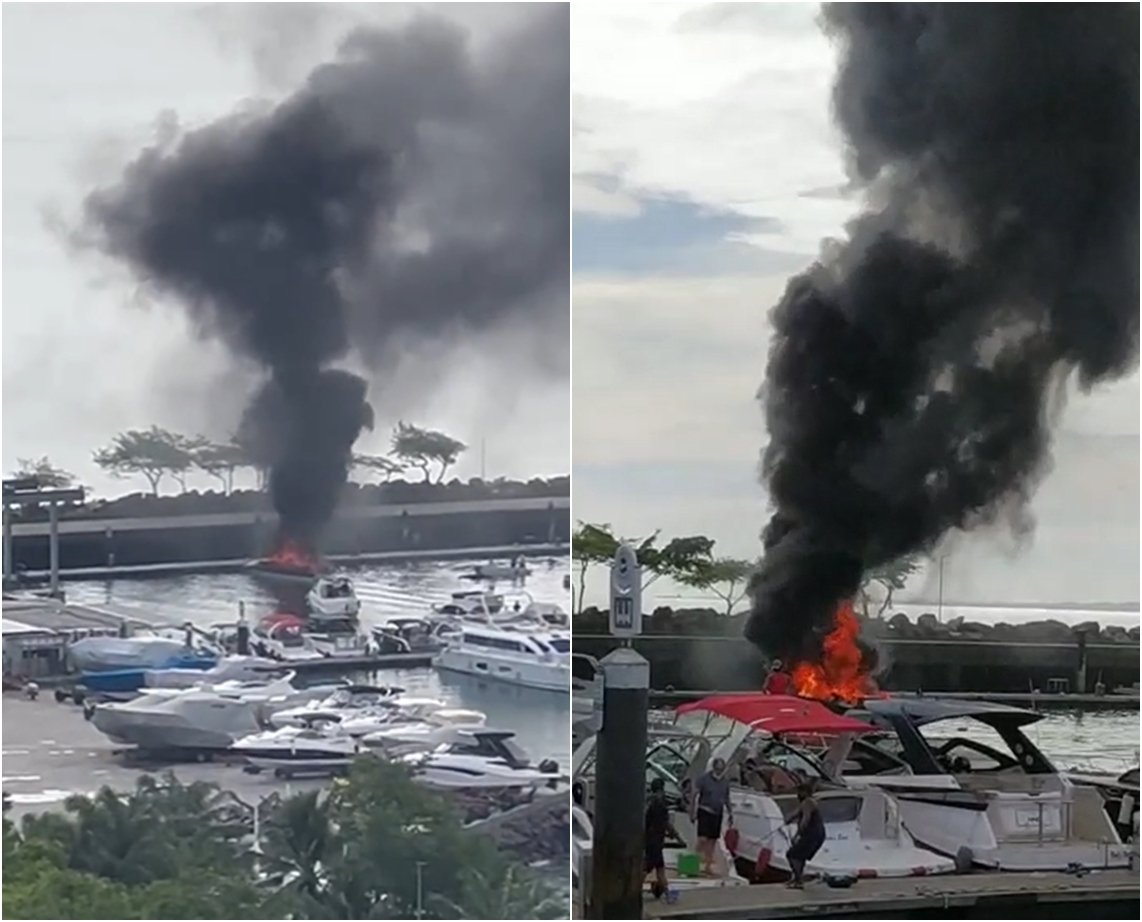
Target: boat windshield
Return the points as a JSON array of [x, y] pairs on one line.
[[560, 645]]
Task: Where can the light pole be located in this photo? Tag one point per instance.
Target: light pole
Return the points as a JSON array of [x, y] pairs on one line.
[[420, 889], [940, 598]]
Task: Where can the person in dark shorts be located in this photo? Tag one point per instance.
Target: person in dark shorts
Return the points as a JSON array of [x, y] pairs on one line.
[[810, 834], [711, 801], [658, 826]]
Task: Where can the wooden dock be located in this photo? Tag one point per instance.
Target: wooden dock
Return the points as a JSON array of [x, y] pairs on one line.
[[983, 895]]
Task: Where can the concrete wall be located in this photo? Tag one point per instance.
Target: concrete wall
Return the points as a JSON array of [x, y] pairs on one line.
[[453, 525]]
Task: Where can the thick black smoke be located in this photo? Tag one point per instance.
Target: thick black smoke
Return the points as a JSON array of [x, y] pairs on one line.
[[409, 191], [910, 368]]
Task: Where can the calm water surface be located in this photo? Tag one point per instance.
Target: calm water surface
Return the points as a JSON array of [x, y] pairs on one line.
[[539, 718]]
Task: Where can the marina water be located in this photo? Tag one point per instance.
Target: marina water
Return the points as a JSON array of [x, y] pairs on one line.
[[539, 718], [1103, 739]]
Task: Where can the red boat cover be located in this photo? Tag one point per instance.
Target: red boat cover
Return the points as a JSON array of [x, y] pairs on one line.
[[778, 713]]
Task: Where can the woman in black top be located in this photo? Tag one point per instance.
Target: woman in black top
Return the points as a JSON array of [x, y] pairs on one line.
[[810, 834], [658, 825]]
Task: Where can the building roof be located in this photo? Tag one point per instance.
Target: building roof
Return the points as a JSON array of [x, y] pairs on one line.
[[9, 628]]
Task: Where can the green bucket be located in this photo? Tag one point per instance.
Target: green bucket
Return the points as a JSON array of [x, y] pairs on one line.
[[689, 865]]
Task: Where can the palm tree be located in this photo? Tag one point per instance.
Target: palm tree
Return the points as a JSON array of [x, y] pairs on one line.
[[509, 895], [298, 846]]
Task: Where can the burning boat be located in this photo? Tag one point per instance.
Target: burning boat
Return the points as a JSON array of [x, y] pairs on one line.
[[290, 563]]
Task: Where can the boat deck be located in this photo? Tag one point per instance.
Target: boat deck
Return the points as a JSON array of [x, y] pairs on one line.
[[1001, 895]]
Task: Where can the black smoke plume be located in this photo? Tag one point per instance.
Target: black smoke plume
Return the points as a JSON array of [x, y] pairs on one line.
[[911, 367], [411, 190]]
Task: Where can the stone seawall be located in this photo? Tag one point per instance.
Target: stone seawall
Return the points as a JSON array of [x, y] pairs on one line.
[[705, 650], [447, 525]]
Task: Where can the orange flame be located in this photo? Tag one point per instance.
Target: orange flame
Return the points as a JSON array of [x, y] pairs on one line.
[[841, 675], [292, 556]]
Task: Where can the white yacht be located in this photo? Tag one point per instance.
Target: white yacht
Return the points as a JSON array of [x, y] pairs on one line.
[[295, 750], [491, 571], [470, 602], [341, 635], [864, 832], [1000, 805], [202, 717], [439, 726], [524, 654], [191, 720], [227, 669], [283, 637], [481, 759], [345, 702], [333, 597]]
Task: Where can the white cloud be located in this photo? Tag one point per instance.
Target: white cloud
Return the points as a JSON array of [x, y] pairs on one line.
[[723, 116]]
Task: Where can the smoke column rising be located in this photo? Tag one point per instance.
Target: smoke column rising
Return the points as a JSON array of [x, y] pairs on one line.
[[408, 192], [911, 367]]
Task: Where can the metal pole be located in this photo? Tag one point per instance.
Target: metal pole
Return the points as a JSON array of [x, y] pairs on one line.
[[620, 789], [940, 601], [483, 459], [7, 543], [420, 889], [53, 547]]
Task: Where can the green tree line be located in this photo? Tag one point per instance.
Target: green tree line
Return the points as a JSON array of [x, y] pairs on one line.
[[377, 845], [159, 455], [690, 561]]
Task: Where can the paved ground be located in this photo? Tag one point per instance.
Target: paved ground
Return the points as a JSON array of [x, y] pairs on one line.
[[50, 752]]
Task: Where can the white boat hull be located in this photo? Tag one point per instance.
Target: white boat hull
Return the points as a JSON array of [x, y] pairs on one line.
[[553, 676]]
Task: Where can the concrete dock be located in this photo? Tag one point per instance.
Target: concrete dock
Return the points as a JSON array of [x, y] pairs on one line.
[[984, 895]]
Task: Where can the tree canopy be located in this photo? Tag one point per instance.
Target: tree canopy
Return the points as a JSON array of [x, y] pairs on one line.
[[422, 448], [49, 476], [172, 851], [679, 558], [725, 577], [380, 466], [152, 453]]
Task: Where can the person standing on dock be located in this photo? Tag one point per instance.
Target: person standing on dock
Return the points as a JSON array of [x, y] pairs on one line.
[[711, 800], [810, 835], [658, 826], [778, 682]]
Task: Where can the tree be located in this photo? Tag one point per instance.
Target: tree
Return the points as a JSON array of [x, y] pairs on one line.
[[890, 577], [219, 461], [510, 895], [379, 465], [49, 476], [677, 559], [152, 453], [424, 447], [725, 577]]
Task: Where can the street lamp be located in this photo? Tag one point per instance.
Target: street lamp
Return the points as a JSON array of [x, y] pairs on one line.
[[420, 889]]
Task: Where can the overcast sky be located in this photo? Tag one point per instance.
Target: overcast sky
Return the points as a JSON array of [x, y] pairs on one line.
[[706, 172], [85, 86]]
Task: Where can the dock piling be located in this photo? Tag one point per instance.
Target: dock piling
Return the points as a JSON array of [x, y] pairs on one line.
[[620, 795]]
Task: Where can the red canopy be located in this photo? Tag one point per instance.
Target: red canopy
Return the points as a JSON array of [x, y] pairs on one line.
[[778, 713]]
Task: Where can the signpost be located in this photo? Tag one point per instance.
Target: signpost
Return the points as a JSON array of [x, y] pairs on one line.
[[620, 768], [626, 593]]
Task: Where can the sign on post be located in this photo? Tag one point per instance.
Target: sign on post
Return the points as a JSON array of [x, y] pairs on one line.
[[626, 593]]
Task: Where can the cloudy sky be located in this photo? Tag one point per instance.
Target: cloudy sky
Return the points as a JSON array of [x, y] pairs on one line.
[[706, 171], [85, 88]]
